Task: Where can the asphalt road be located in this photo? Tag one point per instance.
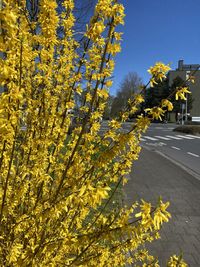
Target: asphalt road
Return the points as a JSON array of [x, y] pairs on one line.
[[182, 149]]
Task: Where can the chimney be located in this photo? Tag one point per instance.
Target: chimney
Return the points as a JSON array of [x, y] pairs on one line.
[[180, 64]]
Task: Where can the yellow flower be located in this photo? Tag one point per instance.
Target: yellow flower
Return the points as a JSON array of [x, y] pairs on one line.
[[139, 99], [88, 97], [142, 123], [166, 103], [176, 261], [103, 93], [181, 91], [95, 30], [114, 48], [158, 72], [118, 36], [114, 124], [109, 83], [155, 112]]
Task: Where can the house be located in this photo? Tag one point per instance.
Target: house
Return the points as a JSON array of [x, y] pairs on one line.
[[184, 71]]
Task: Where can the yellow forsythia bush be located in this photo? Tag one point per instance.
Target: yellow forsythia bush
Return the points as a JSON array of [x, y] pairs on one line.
[[58, 176]]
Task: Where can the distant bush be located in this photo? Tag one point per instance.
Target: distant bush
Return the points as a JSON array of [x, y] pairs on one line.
[[189, 129], [192, 123]]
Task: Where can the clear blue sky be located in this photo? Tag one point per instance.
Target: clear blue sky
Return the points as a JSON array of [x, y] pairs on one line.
[[158, 30]]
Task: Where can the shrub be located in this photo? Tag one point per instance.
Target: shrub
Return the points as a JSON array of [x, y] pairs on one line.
[[189, 129], [57, 180]]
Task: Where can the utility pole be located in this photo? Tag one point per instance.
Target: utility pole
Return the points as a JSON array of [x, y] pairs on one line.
[[186, 101]]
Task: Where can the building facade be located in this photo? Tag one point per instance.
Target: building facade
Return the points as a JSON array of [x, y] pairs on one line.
[[183, 71]]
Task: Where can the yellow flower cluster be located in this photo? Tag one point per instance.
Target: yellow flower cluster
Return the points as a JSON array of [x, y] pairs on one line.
[[158, 72], [166, 103], [153, 218], [58, 175], [181, 93], [155, 112], [96, 30], [176, 261]]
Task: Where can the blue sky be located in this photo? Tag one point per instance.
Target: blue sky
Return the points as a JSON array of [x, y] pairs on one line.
[[157, 30]]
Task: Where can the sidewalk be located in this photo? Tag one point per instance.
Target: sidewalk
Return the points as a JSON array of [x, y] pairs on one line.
[[155, 176]]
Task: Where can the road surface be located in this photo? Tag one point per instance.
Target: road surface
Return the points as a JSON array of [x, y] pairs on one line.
[[183, 149]]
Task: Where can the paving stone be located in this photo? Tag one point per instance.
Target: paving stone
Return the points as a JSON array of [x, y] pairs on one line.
[[182, 232], [197, 258], [190, 259]]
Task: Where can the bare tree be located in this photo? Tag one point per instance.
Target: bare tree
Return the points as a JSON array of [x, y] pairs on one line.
[[129, 86], [83, 11], [107, 111]]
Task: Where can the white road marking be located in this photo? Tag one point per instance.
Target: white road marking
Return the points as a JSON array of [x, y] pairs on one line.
[[192, 154], [184, 136], [142, 139], [162, 144], [193, 136], [156, 144], [150, 138], [170, 128], [162, 137], [173, 137], [159, 127], [174, 147]]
